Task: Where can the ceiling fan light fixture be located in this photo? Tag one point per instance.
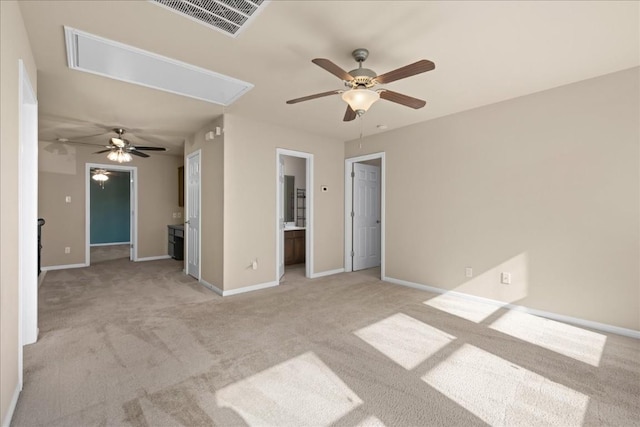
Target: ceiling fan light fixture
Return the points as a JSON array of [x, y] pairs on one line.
[[100, 176], [360, 99], [119, 156]]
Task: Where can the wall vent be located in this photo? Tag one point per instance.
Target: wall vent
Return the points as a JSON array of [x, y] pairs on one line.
[[227, 16]]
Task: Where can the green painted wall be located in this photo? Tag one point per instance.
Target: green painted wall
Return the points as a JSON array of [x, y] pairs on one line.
[[110, 213]]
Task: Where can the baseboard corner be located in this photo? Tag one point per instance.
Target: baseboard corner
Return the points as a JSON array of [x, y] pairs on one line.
[[6, 422]]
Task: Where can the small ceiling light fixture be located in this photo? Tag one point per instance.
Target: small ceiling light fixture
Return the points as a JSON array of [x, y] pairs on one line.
[[119, 156], [100, 175], [360, 99]]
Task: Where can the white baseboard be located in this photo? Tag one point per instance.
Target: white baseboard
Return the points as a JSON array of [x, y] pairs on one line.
[[153, 258], [63, 267], [250, 288], [41, 277], [214, 288], [327, 273], [109, 244], [553, 316], [12, 407]]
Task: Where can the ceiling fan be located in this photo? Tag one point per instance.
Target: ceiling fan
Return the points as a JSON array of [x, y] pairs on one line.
[[361, 81], [120, 149]]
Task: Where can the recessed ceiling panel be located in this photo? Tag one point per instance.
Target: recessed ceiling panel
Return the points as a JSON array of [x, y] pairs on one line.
[[227, 16], [93, 54]]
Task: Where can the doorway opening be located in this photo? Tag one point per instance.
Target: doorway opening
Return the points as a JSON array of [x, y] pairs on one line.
[[364, 214], [294, 214], [111, 213]]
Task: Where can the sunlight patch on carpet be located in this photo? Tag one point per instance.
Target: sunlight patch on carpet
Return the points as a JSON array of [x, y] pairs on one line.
[[290, 394], [370, 422], [502, 393], [405, 340], [571, 341], [474, 311]]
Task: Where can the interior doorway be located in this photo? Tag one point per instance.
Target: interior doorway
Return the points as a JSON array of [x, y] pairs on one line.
[[111, 213], [364, 213], [193, 211], [294, 213]]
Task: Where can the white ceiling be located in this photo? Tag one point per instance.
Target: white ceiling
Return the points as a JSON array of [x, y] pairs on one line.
[[484, 52]]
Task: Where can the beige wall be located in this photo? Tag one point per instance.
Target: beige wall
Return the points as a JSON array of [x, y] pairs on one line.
[[62, 175], [212, 200], [250, 199], [14, 45], [545, 186]]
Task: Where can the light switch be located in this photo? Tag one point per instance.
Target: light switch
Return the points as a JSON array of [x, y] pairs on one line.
[[67, 199], [505, 278]]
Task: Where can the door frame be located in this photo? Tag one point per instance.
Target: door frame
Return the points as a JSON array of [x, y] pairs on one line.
[[348, 204], [27, 215], [133, 206], [308, 230], [186, 213]]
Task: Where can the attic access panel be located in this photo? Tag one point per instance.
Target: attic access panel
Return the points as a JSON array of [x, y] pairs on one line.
[[227, 16]]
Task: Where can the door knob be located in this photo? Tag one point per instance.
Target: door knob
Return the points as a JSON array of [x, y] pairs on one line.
[[186, 222]]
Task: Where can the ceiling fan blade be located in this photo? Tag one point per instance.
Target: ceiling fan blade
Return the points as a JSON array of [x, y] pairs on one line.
[[149, 148], [138, 153], [317, 95], [349, 114], [103, 151], [402, 99], [333, 69], [406, 71]]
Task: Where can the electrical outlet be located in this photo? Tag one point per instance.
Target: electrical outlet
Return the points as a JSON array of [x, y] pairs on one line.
[[505, 278], [175, 215], [468, 272], [67, 250]]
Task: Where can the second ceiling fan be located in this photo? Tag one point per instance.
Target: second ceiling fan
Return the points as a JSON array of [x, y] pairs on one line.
[[120, 149], [360, 95]]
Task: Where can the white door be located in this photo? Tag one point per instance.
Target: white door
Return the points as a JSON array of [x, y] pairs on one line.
[[366, 216], [281, 215], [193, 215]]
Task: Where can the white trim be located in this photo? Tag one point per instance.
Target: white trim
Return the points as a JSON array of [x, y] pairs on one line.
[[27, 215], [153, 258], [348, 201], [549, 315], [214, 288], [251, 288], [63, 267], [308, 270], [327, 273], [12, 407], [133, 206], [237, 291], [109, 244]]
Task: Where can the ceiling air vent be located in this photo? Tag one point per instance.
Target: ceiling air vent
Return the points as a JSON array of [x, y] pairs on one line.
[[228, 16]]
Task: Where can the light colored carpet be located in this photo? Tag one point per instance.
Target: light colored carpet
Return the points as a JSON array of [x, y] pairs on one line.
[[142, 344], [108, 253]]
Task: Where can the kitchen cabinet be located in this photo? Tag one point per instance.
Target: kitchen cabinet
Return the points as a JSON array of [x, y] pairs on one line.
[[176, 241], [294, 247]]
